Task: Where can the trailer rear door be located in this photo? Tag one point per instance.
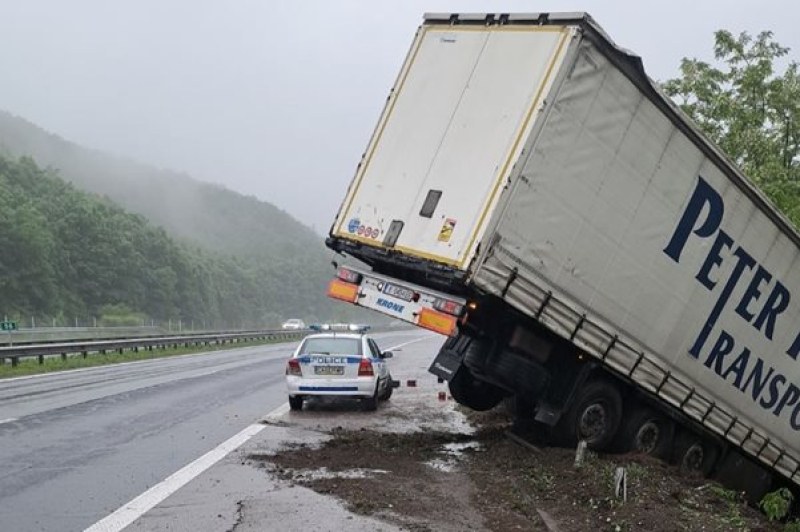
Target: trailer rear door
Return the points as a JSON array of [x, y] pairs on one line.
[[449, 135]]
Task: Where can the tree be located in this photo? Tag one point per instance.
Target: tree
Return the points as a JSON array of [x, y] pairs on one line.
[[749, 110]]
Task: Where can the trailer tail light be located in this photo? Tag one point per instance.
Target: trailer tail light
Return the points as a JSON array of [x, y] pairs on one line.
[[293, 368], [437, 321], [348, 276], [448, 307], [341, 290], [365, 369]]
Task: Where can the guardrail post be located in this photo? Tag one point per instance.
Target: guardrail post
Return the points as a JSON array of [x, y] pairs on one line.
[[85, 354], [41, 359], [63, 356], [14, 362]]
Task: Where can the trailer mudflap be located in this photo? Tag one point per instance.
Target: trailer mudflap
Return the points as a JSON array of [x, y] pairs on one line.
[[446, 364]]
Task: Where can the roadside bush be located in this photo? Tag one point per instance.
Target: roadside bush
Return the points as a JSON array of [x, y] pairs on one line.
[[776, 504]]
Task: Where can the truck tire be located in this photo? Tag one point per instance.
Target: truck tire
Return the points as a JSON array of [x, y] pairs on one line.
[[474, 394], [695, 455], [295, 402], [594, 416], [646, 431]]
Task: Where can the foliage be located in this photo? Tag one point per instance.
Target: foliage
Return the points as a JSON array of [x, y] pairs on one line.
[[749, 110], [776, 504], [215, 256], [120, 315], [31, 366], [68, 253]]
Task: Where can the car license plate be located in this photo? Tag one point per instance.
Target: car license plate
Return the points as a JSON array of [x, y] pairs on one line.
[[328, 370], [399, 292]]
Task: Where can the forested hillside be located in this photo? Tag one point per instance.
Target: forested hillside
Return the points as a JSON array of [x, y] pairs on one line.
[[207, 214], [67, 253], [232, 258]]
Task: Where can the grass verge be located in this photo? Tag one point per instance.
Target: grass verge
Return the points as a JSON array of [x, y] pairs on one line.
[[31, 366]]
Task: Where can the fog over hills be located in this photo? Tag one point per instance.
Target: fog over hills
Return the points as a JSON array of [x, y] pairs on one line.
[[288, 255]]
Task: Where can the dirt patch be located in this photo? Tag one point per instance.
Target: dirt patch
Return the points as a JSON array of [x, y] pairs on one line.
[[487, 481]]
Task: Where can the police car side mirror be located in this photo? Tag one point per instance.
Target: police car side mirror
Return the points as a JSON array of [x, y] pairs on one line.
[[387, 354]]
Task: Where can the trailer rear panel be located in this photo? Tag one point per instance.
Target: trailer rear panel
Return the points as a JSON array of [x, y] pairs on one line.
[[451, 130]]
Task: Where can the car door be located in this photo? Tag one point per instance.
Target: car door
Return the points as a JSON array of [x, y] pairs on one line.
[[381, 367]]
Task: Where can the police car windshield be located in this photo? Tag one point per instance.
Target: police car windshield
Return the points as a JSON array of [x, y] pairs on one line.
[[339, 346]]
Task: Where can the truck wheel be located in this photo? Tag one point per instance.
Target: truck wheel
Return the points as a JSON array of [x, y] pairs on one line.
[[295, 402], [694, 455], [646, 431], [474, 394], [594, 416]]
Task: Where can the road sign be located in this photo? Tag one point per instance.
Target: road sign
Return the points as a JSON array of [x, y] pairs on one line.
[[8, 325]]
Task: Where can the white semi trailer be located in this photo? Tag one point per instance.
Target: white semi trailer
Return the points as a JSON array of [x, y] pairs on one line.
[[531, 193]]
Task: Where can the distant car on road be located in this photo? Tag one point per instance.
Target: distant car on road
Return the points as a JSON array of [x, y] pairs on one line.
[[293, 323], [339, 362]]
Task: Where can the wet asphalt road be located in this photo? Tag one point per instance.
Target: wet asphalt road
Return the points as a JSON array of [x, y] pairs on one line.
[[77, 445]]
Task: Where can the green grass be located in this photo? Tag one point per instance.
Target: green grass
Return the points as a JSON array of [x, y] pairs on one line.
[[31, 366]]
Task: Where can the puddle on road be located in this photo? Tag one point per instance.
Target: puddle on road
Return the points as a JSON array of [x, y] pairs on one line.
[[453, 452], [458, 448], [324, 473]]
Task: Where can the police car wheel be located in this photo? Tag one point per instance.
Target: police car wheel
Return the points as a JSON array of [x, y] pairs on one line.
[[371, 403], [388, 393], [295, 402]]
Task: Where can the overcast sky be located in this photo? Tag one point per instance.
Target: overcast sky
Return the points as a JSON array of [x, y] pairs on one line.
[[278, 98]]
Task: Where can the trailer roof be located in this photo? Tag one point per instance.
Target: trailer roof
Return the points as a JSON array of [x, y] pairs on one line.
[[631, 65]]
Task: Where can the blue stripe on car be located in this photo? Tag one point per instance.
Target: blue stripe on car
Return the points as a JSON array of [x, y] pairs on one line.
[[328, 388]]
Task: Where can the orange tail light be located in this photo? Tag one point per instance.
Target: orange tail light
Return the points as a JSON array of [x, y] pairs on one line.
[[345, 291], [437, 321]]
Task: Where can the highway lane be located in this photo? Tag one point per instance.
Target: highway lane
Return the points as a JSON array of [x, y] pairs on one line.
[[84, 442]]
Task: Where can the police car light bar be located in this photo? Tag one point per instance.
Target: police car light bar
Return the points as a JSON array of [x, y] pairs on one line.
[[352, 327]]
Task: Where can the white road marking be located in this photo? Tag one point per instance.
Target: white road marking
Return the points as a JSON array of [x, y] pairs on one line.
[[8, 420], [398, 346], [134, 509], [278, 412]]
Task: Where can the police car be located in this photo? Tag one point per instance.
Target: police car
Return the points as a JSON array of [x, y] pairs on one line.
[[341, 360]]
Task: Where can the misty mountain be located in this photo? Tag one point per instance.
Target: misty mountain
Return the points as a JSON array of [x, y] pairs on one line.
[[208, 214], [270, 246]]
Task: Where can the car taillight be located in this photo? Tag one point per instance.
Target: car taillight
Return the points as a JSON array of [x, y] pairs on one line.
[[448, 307], [365, 369], [293, 368], [348, 276]]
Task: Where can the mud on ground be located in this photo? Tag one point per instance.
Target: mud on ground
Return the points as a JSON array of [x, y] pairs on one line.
[[439, 480]]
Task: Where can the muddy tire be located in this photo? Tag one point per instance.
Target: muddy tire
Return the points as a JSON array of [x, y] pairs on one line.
[[474, 394], [370, 404], [694, 455], [295, 402], [646, 431], [594, 416], [388, 393]]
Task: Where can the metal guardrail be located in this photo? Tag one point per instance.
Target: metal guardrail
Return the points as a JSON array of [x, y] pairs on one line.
[[119, 345]]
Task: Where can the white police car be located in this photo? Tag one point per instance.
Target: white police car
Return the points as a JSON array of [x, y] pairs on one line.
[[340, 361]]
